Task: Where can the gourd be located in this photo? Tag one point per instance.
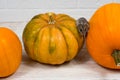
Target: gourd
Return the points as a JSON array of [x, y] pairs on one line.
[[103, 38], [52, 38], [10, 52]]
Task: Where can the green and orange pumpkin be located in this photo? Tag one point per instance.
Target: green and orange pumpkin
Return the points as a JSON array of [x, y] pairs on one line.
[[52, 38]]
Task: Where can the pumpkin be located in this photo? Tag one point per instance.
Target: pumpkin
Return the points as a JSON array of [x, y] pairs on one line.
[[10, 52], [52, 38], [103, 38]]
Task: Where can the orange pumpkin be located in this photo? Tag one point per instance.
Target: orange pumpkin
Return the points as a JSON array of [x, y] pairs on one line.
[[52, 38], [10, 52], [103, 39]]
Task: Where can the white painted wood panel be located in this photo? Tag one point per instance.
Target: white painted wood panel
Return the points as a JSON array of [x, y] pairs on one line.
[[41, 4], [3, 4], [23, 10], [14, 15], [89, 4]]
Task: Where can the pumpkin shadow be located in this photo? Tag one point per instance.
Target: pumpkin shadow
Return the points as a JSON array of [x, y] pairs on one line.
[[83, 56], [103, 72], [28, 62]]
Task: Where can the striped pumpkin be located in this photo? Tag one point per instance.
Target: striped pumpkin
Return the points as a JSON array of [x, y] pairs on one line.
[[52, 38]]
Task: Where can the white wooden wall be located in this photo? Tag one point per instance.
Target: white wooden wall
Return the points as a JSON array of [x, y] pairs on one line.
[[15, 14], [24, 10]]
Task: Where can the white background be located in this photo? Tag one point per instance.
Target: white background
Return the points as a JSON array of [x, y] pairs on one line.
[[15, 14], [23, 10]]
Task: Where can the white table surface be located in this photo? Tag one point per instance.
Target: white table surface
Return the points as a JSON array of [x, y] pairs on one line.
[[80, 68]]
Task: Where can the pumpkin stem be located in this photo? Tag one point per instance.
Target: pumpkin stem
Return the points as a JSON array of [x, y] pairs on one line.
[[51, 20], [83, 26], [116, 56]]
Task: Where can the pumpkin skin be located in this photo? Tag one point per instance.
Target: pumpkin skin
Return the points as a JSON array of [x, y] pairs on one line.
[[104, 35], [10, 52], [52, 38]]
